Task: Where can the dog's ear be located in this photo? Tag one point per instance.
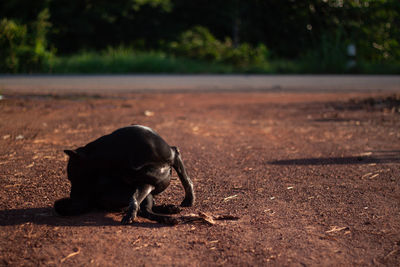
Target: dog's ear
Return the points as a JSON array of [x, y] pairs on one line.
[[75, 154], [71, 153]]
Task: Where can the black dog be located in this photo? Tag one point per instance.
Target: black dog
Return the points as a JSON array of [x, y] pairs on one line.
[[124, 169]]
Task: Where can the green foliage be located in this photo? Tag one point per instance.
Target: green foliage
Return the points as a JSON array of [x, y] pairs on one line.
[[329, 56], [21, 50], [199, 43], [164, 4], [367, 67], [123, 60], [379, 35], [244, 54], [12, 39], [301, 36]]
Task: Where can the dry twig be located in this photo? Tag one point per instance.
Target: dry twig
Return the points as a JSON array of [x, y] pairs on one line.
[[70, 255]]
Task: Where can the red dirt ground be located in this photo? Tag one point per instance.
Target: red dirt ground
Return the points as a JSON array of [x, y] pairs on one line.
[[313, 178]]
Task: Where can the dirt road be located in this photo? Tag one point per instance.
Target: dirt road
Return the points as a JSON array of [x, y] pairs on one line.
[[314, 179], [196, 83]]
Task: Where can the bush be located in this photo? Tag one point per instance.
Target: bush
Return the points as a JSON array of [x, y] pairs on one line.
[[125, 60], [199, 43], [21, 50], [12, 37]]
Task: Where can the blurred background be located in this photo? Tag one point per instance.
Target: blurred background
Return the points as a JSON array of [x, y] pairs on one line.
[[200, 36]]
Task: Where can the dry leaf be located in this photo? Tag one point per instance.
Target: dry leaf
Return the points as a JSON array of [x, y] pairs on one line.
[[374, 176], [30, 165], [207, 218], [367, 174], [230, 197], [337, 229]]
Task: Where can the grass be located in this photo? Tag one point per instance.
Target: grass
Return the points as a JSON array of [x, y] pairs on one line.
[[310, 67], [378, 68], [124, 61]]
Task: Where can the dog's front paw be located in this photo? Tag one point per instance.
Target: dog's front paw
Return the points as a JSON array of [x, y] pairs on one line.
[[127, 219]]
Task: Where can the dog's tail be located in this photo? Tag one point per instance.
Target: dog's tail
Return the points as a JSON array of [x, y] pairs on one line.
[[185, 180]]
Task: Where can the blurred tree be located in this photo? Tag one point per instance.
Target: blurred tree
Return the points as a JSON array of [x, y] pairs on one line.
[[289, 28], [89, 24], [22, 11]]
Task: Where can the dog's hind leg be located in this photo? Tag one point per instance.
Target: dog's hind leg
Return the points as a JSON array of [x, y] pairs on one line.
[[189, 199], [138, 196]]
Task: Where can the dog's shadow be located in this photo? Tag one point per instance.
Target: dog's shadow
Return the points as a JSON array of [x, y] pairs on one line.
[[47, 216], [375, 157]]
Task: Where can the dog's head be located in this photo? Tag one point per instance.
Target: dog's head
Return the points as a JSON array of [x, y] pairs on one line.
[[79, 200], [78, 174]]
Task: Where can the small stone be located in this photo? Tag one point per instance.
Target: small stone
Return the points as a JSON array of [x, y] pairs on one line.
[[149, 113]]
